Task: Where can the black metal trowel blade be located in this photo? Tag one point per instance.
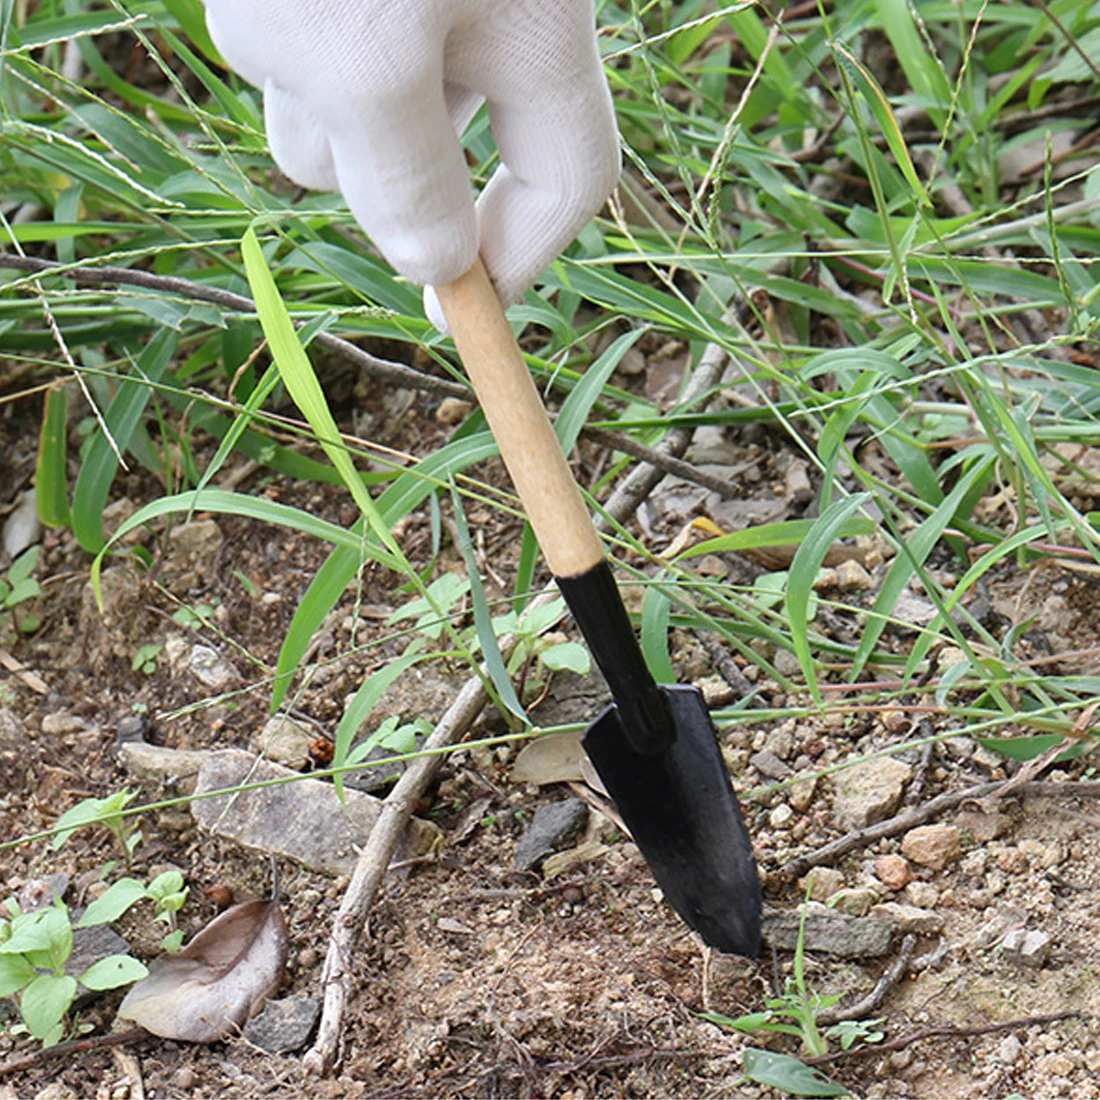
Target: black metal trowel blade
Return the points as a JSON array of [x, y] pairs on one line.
[[681, 810]]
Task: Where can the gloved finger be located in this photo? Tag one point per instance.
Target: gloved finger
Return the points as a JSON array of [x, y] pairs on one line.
[[559, 149], [406, 182], [297, 140]]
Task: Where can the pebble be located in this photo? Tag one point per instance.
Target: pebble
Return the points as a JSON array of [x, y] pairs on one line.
[[801, 794], [22, 528], [177, 767], [780, 816], [983, 827], [210, 667], [893, 871], [855, 901], [37, 893], [851, 576], [922, 894], [908, 918], [869, 792], [133, 727], [284, 741], [1009, 1050], [62, 722], [284, 1025], [1028, 947], [200, 538], [1056, 1065], [932, 846], [780, 742], [824, 882], [184, 1078], [452, 410], [769, 765], [550, 828]]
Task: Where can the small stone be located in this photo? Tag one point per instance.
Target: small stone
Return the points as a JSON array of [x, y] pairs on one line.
[[893, 871], [869, 792], [1056, 1064], [932, 846], [823, 883], [184, 1078], [1028, 947], [1092, 1060], [551, 827], [200, 538], [769, 765], [38, 893], [801, 794], [62, 722], [307, 958], [1047, 856], [850, 575], [284, 741], [453, 410], [780, 742], [284, 1025], [908, 918], [780, 816], [855, 901], [1011, 860], [895, 721], [922, 894], [786, 663], [175, 821], [208, 666], [22, 528], [983, 827], [92, 945], [133, 727], [174, 767], [1009, 1050]]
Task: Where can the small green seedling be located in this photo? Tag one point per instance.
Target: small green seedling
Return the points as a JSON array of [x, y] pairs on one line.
[[796, 1012], [145, 660], [108, 812], [18, 587], [167, 892], [35, 948]]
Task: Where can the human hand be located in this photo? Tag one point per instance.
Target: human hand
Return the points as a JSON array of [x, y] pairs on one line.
[[368, 97]]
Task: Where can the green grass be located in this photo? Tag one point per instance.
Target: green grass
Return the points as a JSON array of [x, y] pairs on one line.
[[839, 182]]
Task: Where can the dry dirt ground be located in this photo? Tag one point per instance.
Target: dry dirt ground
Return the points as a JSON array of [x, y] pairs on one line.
[[473, 980]]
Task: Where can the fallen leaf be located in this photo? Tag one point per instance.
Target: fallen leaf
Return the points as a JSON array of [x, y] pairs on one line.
[[551, 758], [220, 979]]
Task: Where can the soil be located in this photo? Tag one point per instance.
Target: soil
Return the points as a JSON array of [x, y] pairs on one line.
[[476, 980]]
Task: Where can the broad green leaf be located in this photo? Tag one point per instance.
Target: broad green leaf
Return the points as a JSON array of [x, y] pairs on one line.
[[789, 1074], [45, 1001], [113, 902], [568, 656], [362, 703], [786, 533], [15, 972], [113, 971], [911, 556]]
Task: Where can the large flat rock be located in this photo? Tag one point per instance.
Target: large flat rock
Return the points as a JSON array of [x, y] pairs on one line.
[[302, 820]]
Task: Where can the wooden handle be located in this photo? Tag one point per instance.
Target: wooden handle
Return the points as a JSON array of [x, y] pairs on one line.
[[519, 423]]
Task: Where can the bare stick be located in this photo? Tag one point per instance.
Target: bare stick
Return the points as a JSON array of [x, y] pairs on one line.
[[385, 370], [947, 1031], [871, 1002], [77, 1046], [829, 853]]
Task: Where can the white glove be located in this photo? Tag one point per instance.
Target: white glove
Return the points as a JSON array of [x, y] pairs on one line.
[[367, 97]]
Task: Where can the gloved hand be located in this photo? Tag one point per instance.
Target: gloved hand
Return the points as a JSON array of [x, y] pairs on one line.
[[367, 97]]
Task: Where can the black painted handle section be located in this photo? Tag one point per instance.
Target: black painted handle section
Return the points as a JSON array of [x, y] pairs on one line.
[[594, 599]]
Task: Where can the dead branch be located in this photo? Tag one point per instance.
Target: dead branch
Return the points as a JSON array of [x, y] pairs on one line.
[[944, 1031], [862, 1008], [665, 459]]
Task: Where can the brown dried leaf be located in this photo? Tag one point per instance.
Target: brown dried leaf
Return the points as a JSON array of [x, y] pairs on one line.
[[552, 758], [220, 979]]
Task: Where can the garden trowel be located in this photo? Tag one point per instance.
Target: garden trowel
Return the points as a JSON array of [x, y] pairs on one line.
[[655, 747]]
